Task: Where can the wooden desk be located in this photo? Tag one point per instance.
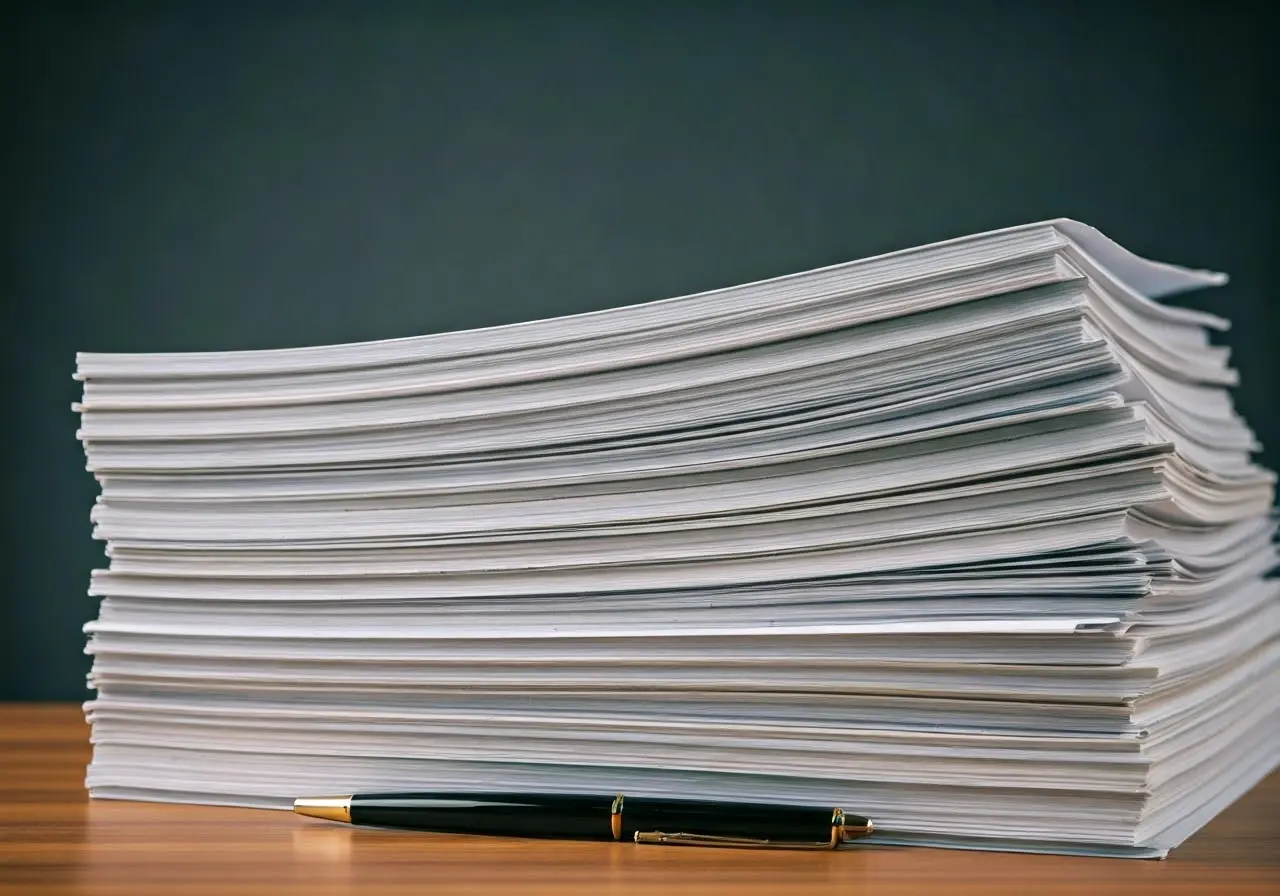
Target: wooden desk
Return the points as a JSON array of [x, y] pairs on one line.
[[55, 841]]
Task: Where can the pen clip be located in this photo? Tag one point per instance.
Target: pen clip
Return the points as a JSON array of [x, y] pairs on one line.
[[662, 838], [840, 833]]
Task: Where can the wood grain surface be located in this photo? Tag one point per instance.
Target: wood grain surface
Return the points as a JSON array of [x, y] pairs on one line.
[[54, 840]]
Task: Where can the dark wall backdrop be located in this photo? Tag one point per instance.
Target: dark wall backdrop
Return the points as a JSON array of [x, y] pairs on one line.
[[188, 176]]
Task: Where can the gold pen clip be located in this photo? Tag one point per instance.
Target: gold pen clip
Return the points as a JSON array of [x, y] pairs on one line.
[[840, 833]]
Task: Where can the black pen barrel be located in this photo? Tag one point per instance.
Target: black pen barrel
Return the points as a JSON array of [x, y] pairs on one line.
[[569, 816], [755, 821], [500, 814]]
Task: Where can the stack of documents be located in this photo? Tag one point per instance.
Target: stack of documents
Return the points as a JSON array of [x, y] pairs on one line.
[[965, 538]]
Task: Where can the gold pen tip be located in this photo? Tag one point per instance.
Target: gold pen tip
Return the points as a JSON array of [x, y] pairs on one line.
[[332, 808]]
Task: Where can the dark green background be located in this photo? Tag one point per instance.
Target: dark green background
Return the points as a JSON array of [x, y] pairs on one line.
[[198, 176]]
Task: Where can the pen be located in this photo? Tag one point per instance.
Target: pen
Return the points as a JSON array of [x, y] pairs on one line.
[[568, 816]]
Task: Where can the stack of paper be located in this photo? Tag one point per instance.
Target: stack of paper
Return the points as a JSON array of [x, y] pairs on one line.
[[964, 538]]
